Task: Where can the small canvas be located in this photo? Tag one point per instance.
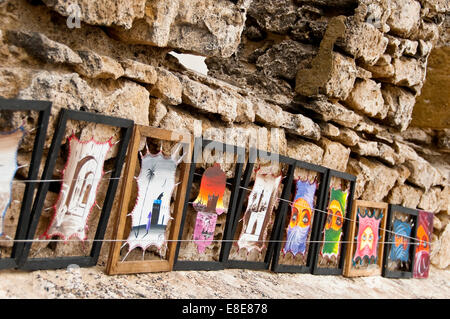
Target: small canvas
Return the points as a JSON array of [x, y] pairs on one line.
[[422, 253], [9, 145], [81, 177], [257, 216]]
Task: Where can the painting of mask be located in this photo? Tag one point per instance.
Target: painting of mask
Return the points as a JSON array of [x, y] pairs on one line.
[[400, 245], [422, 253], [367, 239], [301, 216]]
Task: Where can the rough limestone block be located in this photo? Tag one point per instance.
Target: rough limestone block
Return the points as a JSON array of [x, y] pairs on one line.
[[441, 259], [431, 200], [274, 15], [366, 97], [38, 45], [335, 155], [97, 66], [335, 112], [157, 112], [381, 182], [167, 87], [304, 151], [399, 104], [408, 72], [422, 173], [405, 195], [140, 72], [363, 41], [301, 125], [405, 17], [101, 12], [269, 114]]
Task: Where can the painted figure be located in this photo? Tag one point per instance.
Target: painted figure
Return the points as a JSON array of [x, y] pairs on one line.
[[9, 145], [422, 253], [301, 217], [209, 204], [400, 246], [258, 213], [81, 177], [151, 213], [335, 220], [367, 239]]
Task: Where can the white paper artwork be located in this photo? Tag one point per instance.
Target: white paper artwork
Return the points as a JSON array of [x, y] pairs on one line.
[[9, 144], [151, 213], [259, 210], [81, 177]]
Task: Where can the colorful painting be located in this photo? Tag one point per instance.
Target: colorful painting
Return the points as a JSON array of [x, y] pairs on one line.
[[151, 213], [422, 253], [81, 177], [335, 220], [9, 145], [257, 216], [367, 239], [400, 246], [301, 216], [209, 204]]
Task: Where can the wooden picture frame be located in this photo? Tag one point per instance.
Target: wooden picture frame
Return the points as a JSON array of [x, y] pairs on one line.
[[349, 267], [44, 109], [390, 239], [126, 128], [114, 265], [285, 212], [286, 184], [199, 147], [316, 269]]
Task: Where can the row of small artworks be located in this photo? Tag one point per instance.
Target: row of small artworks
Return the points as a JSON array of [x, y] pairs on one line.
[[175, 213]]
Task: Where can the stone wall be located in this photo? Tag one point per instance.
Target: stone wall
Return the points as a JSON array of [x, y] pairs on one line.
[[332, 84]]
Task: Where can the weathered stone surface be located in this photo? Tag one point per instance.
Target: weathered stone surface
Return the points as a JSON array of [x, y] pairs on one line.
[[403, 174], [329, 130], [422, 173], [276, 16], [334, 78], [96, 66], [12, 80], [362, 173], [283, 59], [397, 46], [408, 72], [418, 135], [430, 200], [122, 98], [301, 125], [382, 179], [405, 195], [335, 154], [157, 112], [335, 112], [443, 139], [347, 137], [405, 17], [305, 151], [399, 104], [167, 87], [366, 148], [363, 41], [331, 73], [268, 113], [101, 12], [441, 259], [211, 28], [388, 155], [39, 46], [139, 72], [366, 97]]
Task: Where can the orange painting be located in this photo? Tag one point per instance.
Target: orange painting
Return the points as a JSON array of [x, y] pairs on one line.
[[212, 188]]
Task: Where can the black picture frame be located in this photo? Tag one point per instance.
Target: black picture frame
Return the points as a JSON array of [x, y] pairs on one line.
[[286, 183], [338, 270], [82, 261], [284, 211], [389, 237], [200, 145], [44, 109]]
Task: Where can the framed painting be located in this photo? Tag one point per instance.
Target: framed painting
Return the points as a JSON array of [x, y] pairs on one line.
[[422, 250], [365, 248], [399, 250], [332, 237], [210, 203], [267, 180], [151, 202], [78, 177], [299, 220], [23, 129]]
